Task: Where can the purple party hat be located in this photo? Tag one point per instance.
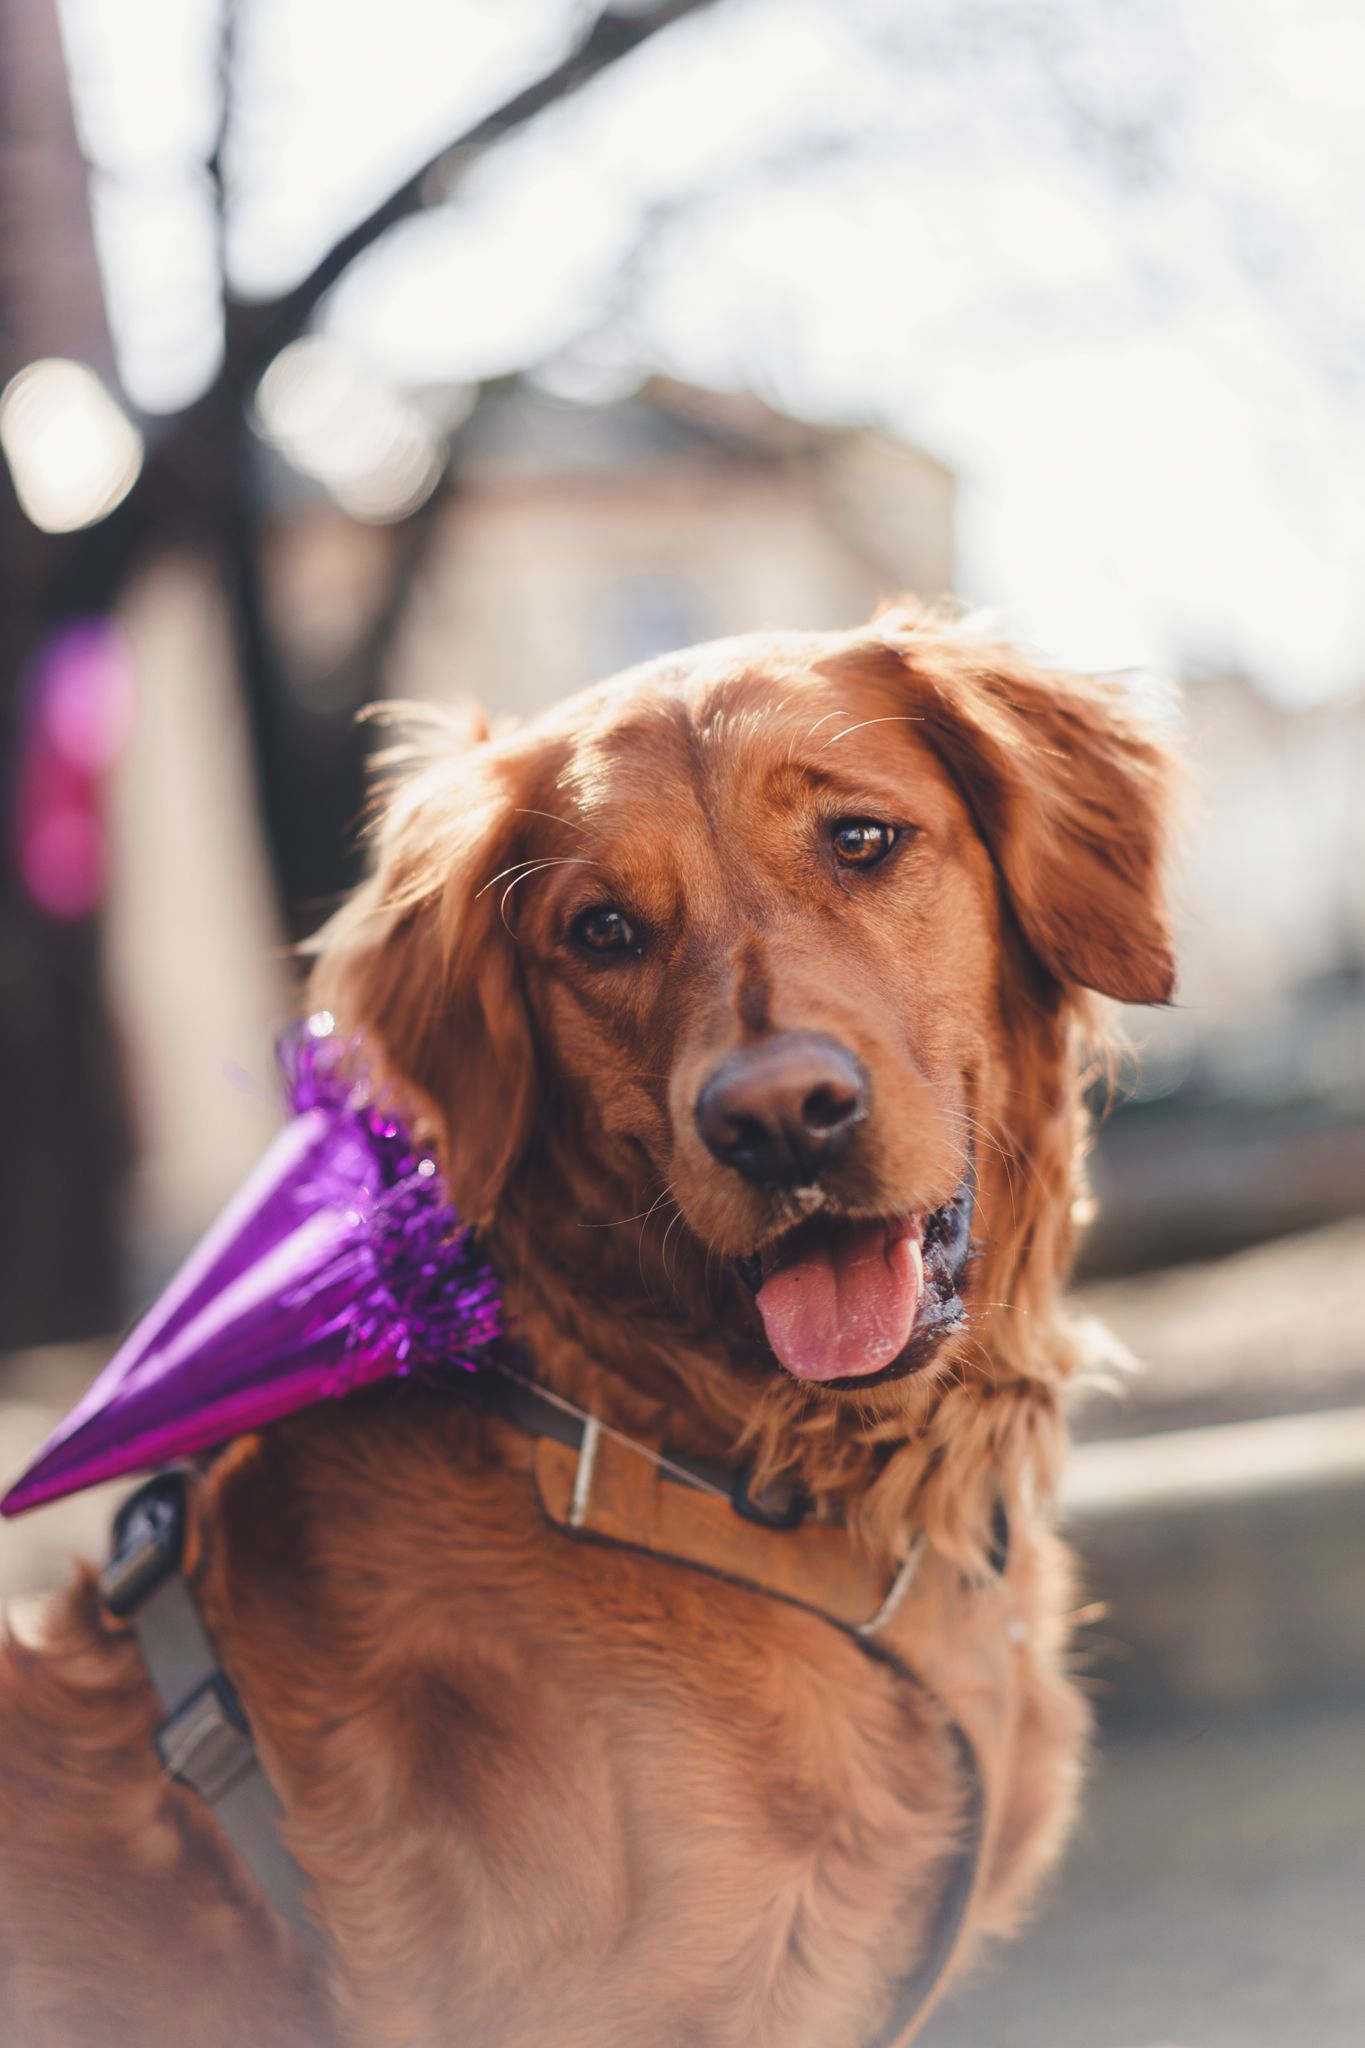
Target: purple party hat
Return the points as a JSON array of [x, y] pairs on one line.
[[340, 1262]]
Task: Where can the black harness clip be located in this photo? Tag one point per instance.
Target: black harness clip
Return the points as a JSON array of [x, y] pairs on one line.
[[148, 1543], [781, 1505]]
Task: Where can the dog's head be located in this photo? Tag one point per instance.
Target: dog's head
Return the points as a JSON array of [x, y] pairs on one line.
[[764, 957]]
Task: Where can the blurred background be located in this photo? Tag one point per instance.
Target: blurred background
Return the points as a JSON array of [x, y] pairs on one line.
[[434, 349]]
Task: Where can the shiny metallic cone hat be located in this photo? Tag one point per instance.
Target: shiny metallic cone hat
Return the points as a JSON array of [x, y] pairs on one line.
[[340, 1263]]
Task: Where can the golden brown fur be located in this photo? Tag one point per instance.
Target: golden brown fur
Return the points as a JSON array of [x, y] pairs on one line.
[[555, 1793]]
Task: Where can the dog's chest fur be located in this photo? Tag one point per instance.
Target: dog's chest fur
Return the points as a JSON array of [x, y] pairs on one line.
[[595, 1797]]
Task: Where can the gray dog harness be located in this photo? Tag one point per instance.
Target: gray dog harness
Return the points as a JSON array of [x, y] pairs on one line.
[[205, 1741]]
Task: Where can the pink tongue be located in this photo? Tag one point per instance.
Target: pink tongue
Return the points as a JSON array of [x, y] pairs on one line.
[[845, 1309]]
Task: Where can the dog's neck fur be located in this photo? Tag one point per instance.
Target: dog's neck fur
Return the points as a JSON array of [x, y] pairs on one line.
[[639, 1327]]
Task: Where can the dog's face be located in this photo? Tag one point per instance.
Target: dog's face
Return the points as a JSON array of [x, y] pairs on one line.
[[767, 961], [746, 928]]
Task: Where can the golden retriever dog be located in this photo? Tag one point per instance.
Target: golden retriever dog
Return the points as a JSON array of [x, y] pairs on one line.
[[747, 999]]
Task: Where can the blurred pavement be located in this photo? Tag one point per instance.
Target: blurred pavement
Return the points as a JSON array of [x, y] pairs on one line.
[[1215, 1898]]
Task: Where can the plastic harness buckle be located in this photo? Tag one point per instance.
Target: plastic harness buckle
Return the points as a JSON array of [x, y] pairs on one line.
[[205, 1742]]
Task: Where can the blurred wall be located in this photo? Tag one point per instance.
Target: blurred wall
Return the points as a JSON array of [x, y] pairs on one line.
[[199, 981]]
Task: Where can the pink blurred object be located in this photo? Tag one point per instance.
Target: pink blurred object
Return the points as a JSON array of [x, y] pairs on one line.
[[75, 709]]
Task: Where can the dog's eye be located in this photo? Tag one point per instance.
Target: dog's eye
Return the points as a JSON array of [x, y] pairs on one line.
[[603, 929], [862, 842]]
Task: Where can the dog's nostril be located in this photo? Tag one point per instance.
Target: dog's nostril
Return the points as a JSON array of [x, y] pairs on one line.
[[824, 1109], [734, 1137]]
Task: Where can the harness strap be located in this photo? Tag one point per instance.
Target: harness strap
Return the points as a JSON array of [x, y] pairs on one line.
[[205, 1741]]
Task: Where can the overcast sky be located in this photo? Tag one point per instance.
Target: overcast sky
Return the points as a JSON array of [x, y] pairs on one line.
[[1104, 256]]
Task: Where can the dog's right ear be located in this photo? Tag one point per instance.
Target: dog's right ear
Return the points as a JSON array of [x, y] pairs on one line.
[[1070, 790], [419, 961]]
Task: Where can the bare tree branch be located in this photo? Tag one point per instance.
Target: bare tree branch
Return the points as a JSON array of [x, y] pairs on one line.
[[214, 163], [261, 333], [201, 482]]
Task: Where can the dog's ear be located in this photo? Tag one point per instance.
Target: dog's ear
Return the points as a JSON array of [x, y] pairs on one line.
[[1071, 792], [419, 960]]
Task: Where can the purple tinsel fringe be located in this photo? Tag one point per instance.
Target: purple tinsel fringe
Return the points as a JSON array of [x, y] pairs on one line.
[[418, 1290]]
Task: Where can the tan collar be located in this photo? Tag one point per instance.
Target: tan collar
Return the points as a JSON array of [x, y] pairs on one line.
[[592, 1481]]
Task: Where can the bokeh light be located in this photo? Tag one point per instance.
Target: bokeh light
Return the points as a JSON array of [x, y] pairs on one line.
[[73, 453], [372, 448]]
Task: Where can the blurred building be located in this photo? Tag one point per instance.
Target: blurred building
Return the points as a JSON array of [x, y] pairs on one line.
[[1269, 1011], [1247, 1115], [580, 538], [1278, 841]]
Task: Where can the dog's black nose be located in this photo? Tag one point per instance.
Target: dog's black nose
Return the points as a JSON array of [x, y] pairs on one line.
[[783, 1112]]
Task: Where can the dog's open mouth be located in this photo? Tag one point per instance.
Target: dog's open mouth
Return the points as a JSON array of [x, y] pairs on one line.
[[848, 1302]]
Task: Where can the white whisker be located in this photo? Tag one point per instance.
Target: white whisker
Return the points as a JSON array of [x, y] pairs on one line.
[[640, 1214], [640, 1248], [814, 729], [891, 718], [574, 824], [558, 861]]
